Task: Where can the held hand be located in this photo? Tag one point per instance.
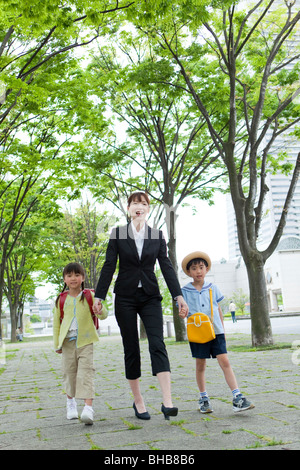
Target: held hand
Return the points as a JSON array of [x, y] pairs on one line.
[[97, 307], [183, 313], [182, 306]]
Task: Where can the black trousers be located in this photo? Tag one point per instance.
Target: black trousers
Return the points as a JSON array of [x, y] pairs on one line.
[[150, 311]]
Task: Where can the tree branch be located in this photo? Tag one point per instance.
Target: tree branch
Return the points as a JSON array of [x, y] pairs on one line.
[[253, 28], [278, 233]]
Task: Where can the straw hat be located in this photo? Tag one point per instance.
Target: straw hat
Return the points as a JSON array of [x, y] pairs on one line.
[[194, 255]]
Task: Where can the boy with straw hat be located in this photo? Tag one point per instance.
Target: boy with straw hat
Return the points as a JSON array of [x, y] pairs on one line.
[[196, 294]]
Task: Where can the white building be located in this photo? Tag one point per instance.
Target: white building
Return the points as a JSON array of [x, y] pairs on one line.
[[282, 273]]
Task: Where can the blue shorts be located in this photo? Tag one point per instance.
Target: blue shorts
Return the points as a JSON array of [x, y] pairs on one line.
[[211, 349]]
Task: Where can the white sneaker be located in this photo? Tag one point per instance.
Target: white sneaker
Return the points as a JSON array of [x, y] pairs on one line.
[[72, 409], [87, 415]]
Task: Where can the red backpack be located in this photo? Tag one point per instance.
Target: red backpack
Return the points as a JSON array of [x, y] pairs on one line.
[[89, 298]]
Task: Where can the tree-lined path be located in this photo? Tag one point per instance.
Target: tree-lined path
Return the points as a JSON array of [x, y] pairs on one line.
[[33, 412]]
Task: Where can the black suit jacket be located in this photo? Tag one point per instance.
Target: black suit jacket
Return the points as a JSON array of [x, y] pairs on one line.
[[132, 269]]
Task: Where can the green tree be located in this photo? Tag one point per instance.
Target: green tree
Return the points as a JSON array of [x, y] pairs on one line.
[[80, 236], [163, 148], [29, 184], [242, 70], [36, 150], [240, 299], [34, 34], [26, 257]]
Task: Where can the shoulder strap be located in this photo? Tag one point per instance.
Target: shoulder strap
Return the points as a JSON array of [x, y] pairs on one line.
[[62, 299], [211, 305], [89, 298]]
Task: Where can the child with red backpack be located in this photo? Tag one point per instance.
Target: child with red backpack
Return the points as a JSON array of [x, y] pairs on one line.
[[74, 332]]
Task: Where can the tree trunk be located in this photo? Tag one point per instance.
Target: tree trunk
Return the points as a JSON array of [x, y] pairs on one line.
[[261, 329], [13, 322], [2, 269], [179, 324]]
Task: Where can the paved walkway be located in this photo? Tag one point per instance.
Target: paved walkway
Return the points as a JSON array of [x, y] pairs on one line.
[[32, 402]]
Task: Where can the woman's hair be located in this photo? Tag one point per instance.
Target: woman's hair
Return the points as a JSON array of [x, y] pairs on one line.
[[72, 268], [138, 196]]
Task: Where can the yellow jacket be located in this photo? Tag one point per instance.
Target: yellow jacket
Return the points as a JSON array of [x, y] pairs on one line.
[[73, 306]]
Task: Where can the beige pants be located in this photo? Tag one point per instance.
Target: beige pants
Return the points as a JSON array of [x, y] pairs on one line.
[[78, 370]]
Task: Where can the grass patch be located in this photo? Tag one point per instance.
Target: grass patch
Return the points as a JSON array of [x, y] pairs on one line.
[[131, 426], [93, 446], [29, 339], [250, 348], [37, 339], [173, 342], [238, 347]]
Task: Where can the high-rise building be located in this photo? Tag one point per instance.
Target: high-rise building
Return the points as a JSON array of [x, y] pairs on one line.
[[278, 187]]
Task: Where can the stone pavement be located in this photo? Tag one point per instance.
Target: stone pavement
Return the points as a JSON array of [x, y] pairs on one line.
[[33, 410]]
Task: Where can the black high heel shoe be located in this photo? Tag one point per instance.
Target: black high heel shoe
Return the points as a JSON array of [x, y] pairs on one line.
[[144, 415], [169, 411]]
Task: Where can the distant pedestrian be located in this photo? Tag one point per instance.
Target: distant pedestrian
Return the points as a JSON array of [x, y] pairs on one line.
[[74, 336], [197, 296], [232, 309], [19, 334]]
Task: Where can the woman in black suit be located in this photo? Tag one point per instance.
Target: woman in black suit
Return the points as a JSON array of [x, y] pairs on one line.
[[138, 247]]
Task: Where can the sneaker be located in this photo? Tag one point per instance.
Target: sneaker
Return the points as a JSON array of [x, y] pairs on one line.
[[241, 403], [205, 406], [72, 409], [87, 416]]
